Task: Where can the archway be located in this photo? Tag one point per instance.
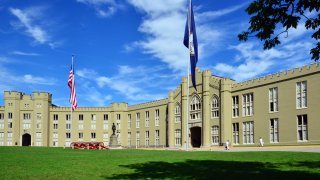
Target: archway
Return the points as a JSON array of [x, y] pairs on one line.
[[195, 136], [26, 139]]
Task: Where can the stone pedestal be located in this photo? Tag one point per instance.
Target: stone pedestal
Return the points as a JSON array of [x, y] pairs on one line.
[[113, 141]]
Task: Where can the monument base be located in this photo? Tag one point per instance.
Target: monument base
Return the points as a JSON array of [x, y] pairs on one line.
[[113, 141]]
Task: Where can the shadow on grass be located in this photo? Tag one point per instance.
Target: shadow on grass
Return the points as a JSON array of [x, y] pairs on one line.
[[210, 169]]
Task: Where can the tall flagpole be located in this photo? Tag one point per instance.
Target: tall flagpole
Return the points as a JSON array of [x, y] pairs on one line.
[[188, 84]]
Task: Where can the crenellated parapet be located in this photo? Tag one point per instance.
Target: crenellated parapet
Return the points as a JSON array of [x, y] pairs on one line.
[[151, 104], [80, 109], [278, 77], [13, 95]]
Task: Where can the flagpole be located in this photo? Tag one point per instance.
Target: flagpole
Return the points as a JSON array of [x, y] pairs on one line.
[[188, 84]]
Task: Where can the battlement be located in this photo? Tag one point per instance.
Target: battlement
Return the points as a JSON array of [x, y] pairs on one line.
[[148, 104], [42, 95], [1, 108], [119, 106], [271, 78], [80, 109], [13, 95]]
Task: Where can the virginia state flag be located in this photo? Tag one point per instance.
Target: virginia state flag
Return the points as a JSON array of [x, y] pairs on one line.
[[190, 41]]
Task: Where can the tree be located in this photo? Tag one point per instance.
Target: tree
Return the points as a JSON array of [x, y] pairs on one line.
[[268, 15]]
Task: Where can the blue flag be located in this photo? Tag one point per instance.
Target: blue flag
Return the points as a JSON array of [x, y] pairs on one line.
[[190, 41]]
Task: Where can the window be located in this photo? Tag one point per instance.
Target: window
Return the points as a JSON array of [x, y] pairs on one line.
[[80, 135], [10, 125], [195, 108], [93, 135], [55, 135], [9, 115], [1, 116], [235, 133], [93, 117], [68, 135], [129, 139], [273, 99], [147, 118], [248, 132], [177, 113], [55, 126], [157, 119], [301, 94], [93, 126], [147, 138], [105, 117], [68, 126], [129, 121], [274, 134], [38, 135], [68, 117], [55, 117], [138, 139], [177, 135], [137, 120], [1, 124], [215, 135], [235, 106], [39, 119], [118, 117], [157, 136], [80, 117], [80, 126], [302, 127], [105, 126], [106, 139], [26, 120], [247, 104], [215, 107]]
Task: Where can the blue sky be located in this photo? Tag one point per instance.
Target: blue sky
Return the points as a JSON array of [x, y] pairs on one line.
[[129, 50]]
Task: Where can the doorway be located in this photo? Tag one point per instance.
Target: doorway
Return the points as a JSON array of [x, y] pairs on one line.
[[195, 136], [26, 139]]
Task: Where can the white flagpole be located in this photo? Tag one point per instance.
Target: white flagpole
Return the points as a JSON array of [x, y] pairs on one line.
[[188, 89]]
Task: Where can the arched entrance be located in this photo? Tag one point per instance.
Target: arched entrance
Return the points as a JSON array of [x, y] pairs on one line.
[[26, 139], [195, 136]]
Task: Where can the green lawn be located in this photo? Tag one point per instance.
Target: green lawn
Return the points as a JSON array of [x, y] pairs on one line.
[[58, 163]]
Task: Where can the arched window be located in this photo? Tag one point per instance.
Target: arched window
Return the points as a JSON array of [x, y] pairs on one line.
[[195, 108], [177, 113], [215, 107]]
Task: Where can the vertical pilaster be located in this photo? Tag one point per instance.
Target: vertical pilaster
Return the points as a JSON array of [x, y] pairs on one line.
[[206, 109], [184, 105], [226, 110], [171, 120]]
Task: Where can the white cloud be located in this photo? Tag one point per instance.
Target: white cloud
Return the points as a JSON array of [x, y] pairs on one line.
[[20, 53], [30, 79], [163, 24], [103, 8], [32, 21], [252, 61], [221, 12], [136, 84]]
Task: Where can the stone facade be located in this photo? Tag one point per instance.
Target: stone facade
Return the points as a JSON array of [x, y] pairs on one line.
[[282, 109]]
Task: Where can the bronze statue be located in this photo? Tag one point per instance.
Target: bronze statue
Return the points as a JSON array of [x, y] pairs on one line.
[[113, 129]]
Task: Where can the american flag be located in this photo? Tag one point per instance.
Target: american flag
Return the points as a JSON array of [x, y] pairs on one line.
[[71, 84]]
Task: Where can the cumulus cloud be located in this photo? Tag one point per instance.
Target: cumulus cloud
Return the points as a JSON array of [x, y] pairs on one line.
[[163, 26]]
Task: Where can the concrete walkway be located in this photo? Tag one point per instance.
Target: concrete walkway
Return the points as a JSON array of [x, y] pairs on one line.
[[315, 148]]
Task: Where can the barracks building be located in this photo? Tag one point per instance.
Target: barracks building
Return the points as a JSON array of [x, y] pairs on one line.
[[282, 108]]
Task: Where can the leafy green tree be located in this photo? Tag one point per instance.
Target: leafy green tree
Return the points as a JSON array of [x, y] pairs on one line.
[[268, 15]]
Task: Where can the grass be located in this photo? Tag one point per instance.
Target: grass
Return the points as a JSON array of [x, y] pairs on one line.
[[58, 163]]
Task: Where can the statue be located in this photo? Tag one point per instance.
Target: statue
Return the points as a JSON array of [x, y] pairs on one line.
[[113, 129]]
